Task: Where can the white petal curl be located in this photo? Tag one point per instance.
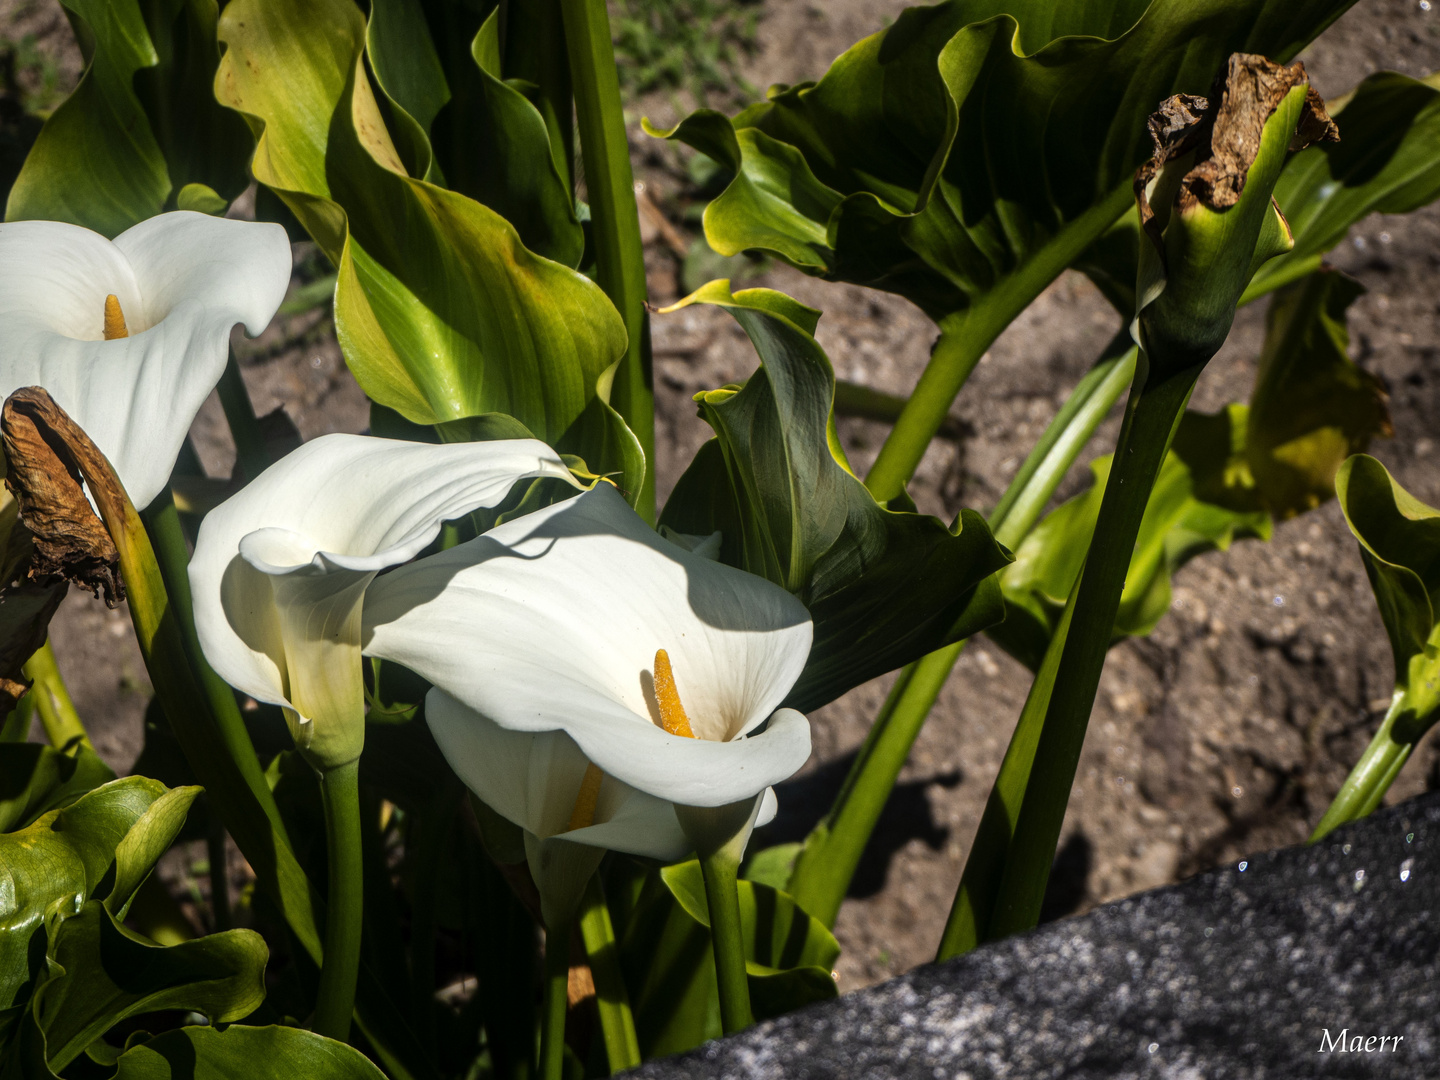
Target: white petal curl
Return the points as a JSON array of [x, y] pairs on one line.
[[314, 528], [551, 622], [183, 281], [532, 779]]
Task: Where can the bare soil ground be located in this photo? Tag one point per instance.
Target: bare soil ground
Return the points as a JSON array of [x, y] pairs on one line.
[[1226, 731]]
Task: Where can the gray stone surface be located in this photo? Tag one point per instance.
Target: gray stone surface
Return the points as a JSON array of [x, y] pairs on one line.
[[1236, 974]]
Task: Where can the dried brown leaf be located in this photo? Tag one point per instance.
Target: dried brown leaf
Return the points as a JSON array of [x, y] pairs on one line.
[[49, 459]]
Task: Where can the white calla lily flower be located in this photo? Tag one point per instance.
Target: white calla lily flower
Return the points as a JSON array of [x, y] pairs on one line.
[[280, 569], [129, 336], [591, 676]]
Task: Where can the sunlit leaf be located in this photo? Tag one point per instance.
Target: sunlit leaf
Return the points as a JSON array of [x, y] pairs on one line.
[[440, 309], [244, 1053], [1312, 406], [1400, 543], [882, 586]]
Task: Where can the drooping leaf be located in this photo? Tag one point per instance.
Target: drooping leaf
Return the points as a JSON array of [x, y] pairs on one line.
[[141, 125], [1400, 543], [968, 153], [100, 973], [882, 586], [35, 779], [1178, 525], [1312, 406], [1387, 161], [244, 1053], [440, 309], [92, 849]]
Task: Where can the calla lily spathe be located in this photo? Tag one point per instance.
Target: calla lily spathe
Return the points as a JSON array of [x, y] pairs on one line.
[[181, 281], [541, 639], [281, 568]]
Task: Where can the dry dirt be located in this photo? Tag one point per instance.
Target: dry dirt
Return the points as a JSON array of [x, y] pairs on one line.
[[1224, 732]]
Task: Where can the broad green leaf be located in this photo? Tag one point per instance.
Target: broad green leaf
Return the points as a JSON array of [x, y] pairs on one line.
[[440, 309], [244, 1053], [92, 849], [1400, 543], [968, 153], [1178, 525], [141, 125], [35, 779], [100, 973], [882, 586], [1387, 161], [1312, 406]]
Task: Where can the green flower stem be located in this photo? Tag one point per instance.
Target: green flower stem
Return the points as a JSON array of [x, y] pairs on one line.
[[827, 863], [244, 426], [202, 709], [1151, 415], [615, 217], [969, 921], [345, 901], [617, 1024], [964, 337], [721, 871], [557, 1000], [62, 723], [1376, 770], [215, 850]]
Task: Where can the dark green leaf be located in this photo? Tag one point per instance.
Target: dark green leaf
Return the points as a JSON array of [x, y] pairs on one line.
[[100, 973], [882, 586], [968, 153], [36, 779], [244, 1053], [142, 124], [1387, 161], [1178, 525]]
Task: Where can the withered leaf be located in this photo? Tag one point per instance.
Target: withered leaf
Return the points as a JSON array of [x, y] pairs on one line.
[[48, 457], [1224, 130]]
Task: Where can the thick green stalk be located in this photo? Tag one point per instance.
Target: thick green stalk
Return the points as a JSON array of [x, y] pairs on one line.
[[827, 863], [1155, 407], [557, 990], [969, 921], [203, 713], [617, 1023], [966, 335], [345, 901], [721, 871], [244, 426], [1373, 774], [215, 849], [62, 723], [614, 216]]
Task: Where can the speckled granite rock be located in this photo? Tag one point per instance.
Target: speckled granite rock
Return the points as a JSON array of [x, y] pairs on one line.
[[1239, 973]]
